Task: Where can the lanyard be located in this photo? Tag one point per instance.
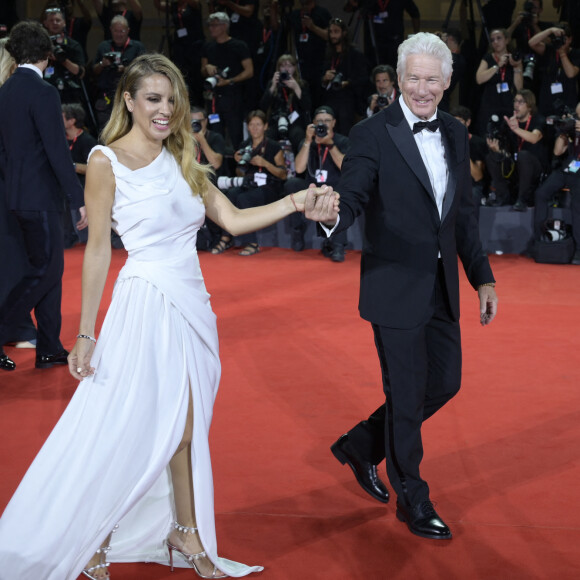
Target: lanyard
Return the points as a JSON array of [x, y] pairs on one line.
[[286, 99], [75, 140], [113, 48], [335, 62], [383, 4], [70, 28], [525, 129], [302, 13], [266, 35], [326, 150], [501, 69]]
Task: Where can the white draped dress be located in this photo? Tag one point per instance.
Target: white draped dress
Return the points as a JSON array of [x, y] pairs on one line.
[[106, 461]]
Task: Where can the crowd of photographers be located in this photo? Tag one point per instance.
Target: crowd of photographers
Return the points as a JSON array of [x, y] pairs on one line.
[[291, 67]]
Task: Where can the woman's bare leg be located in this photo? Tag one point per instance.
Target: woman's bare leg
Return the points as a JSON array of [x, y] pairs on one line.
[[182, 481], [100, 557]]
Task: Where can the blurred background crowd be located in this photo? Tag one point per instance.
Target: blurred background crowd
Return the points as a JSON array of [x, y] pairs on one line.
[[276, 85]]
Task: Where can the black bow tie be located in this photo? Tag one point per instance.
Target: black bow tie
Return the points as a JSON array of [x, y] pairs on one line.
[[430, 125]]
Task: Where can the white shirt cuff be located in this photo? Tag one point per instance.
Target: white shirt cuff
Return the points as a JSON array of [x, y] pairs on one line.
[[328, 231]]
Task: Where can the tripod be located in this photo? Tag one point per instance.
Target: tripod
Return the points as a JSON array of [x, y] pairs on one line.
[[471, 18]]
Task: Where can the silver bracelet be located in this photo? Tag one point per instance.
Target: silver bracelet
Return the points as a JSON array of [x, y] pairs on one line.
[[87, 337]]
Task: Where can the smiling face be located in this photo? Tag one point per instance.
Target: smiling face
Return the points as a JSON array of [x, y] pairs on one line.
[[422, 84], [152, 107]]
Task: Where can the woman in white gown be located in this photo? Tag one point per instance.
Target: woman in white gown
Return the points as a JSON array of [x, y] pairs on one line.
[[132, 445]]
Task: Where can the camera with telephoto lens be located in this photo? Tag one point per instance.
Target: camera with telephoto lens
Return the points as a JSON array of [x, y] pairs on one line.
[[196, 125], [283, 127], [284, 76], [555, 231], [229, 182], [210, 83], [336, 82], [529, 66], [528, 13], [563, 125], [558, 41], [498, 129], [320, 130], [247, 154], [58, 51], [112, 58]]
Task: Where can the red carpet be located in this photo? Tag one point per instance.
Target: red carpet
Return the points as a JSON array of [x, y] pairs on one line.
[[299, 368]]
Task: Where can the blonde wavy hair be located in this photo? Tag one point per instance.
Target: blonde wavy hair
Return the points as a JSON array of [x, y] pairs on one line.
[[7, 63], [180, 142]]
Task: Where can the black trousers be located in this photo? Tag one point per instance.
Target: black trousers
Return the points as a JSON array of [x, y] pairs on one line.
[[41, 287], [421, 371]]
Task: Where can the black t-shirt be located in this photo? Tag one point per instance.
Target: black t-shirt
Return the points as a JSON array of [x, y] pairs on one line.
[[247, 29], [522, 34], [392, 25], [187, 23], [477, 148], [216, 142], [229, 54], [556, 88], [57, 74], [319, 157], [80, 149], [309, 46], [537, 149], [78, 28], [284, 102]]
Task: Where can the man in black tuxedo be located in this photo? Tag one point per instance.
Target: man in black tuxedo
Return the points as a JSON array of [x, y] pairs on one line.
[[36, 169], [408, 170]]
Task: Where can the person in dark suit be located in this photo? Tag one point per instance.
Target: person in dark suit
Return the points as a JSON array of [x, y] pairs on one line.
[[35, 170], [408, 170]]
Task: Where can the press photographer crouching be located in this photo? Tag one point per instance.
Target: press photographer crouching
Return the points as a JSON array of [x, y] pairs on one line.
[[384, 78], [287, 103], [567, 149], [260, 173], [112, 58], [320, 160], [517, 154]]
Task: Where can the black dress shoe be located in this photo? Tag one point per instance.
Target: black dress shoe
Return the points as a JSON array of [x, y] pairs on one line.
[[297, 239], [520, 206], [364, 471], [337, 254], [576, 258], [422, 520], [45, 361], [6, 364]]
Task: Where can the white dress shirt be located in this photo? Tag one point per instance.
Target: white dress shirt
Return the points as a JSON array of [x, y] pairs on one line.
[[430, 146]]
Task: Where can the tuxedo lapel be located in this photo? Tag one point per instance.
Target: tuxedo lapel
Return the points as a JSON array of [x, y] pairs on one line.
[[448, 138], [402, 137]]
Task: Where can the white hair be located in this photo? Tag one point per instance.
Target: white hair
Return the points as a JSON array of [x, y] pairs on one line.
[[119, 19], [425, 43]]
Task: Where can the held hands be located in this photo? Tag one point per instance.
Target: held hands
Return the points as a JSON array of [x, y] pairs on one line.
[[79, 359], [320, 204], [487, 304]]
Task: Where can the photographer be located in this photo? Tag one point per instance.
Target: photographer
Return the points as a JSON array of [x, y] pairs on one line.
[[309, 26], [500, 74], [261, 164], [524, 26], [384, 78], [522, 157], [66, 64], [211, 145], [345, 78], [477, 153], [320, 160], [226, 64], [112, 58], [287, 103], [188, 39], [130, 9], [561, 65], [567, 148], [388, 27]]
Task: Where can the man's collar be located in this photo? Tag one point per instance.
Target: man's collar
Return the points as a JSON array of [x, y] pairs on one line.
[[31, 67], [410, 116]]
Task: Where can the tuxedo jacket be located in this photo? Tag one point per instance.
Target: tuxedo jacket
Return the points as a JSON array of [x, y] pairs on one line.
[[384, 176], [36, 169]]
